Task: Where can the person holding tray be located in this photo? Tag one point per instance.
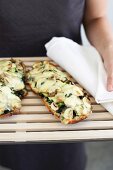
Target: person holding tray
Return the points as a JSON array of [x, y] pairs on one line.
[[25, 27]]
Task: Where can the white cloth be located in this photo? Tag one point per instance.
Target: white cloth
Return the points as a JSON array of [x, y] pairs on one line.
[[85, 65]]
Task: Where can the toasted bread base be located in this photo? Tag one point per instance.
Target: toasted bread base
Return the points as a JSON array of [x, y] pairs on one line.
[[72, 121], [14, 112]]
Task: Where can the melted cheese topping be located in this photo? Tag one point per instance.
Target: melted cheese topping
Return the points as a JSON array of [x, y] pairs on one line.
[[8, 100], [47, 79], [68, 114], [15, 83], [11, 74], [45, 86], [45, 70], [72, 101], [8, 65], [68, 88]]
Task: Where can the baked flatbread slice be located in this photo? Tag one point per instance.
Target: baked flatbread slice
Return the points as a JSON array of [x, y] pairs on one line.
[[12, 86], [66, 100]]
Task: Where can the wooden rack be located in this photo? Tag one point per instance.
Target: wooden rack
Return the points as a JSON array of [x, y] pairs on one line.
[[36, 124]]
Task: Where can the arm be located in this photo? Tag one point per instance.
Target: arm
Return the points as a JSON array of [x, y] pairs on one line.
[[100, 35]]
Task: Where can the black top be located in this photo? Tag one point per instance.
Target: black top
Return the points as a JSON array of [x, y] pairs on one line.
[[26, 25]]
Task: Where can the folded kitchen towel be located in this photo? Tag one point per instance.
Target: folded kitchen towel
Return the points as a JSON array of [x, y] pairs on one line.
[[85, 65]]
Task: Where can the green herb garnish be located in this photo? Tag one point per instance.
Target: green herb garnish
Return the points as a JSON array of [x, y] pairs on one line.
[[20, 93], [81, 97], [6, 111], [35, 84], [74, 113], [42, 95], [42, 83], [49, 100], [68, 95], [61, 106], [54, 71]]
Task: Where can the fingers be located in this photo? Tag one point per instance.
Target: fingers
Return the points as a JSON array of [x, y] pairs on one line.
[[108, 63], [109, 69], [110, 83], [110, 78]]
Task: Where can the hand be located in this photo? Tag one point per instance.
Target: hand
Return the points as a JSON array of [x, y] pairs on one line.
[[108, 63]]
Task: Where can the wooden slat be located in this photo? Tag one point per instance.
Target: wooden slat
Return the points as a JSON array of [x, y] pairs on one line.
[[31, 95], [28, 63], [29, 118], [33, 109], [69, 136], [50, 118], [53, 126], [98, 108], [100, 116], [32, 102]]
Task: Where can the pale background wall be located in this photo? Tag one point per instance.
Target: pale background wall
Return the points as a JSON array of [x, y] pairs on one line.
[[110, 11]]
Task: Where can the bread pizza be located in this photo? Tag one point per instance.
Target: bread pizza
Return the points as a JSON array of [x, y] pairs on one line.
[[65, 99], [12, 86]]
